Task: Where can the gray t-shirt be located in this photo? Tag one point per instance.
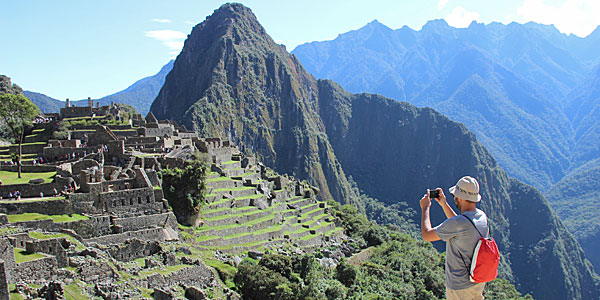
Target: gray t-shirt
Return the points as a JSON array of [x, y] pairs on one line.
[[461, 237]]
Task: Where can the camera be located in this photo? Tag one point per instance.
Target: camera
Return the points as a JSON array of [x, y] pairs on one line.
[[434, 194]]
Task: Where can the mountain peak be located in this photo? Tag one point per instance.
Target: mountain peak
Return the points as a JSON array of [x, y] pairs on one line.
[[226, 17], [436, 25]]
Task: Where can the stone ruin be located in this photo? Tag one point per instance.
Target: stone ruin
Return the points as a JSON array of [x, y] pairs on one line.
[[108, 175]]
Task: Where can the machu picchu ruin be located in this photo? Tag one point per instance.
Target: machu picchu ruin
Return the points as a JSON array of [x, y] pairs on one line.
[[89, 217]]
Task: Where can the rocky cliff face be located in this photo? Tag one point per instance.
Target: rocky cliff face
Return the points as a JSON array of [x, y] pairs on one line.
[[232, 80]]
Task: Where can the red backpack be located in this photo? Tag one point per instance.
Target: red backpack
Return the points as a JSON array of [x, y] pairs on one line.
[[486, 257]]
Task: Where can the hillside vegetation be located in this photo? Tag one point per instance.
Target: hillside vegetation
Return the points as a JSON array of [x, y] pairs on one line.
[[232, 80], [530, 93]]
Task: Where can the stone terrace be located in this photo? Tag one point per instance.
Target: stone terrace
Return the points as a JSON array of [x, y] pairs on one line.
[[91, 204]]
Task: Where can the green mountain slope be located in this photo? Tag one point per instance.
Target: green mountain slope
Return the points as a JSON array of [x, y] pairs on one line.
[[535, 137], [232, 80], [578, 202], [530, 93]]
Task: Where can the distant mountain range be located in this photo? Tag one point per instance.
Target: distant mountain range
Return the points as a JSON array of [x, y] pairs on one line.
[[139, 95], [529, 93], [232, 80]]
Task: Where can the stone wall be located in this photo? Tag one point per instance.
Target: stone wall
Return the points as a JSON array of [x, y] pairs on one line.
[[53, 207], [3, 282], [33, 190], [135, 223], [132, 200], [19, 240], [151, 234], [134, 249], [83, 203], [35, 271], [55, 247], [160, 132], [192, 275], [169, 162], [7, 255], [30, 148], [54, 153], [84, 164], [153, 176], [118, 185], [95, 226], [220, 154], [75, 112], [132, 141]]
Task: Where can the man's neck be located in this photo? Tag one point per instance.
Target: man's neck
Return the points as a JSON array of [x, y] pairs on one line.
[[466, 208]]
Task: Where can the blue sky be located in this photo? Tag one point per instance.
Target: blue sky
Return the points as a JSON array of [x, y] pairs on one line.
[[75, 49]]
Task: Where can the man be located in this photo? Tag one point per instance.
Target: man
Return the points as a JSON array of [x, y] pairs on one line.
[[459, 234]]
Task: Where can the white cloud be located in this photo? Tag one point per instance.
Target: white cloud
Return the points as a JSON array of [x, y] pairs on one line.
[[170, 38], [165, 35], [442, 4], [461, 18], [161, 20], [579, 17]]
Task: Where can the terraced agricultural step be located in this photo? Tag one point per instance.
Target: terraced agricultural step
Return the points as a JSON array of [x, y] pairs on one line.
[[236, 192], [220, 183], [250, 226], [311, 239], [234, 172], [220, 203], [232, 219], [231, 165], [300, 202], [267, 234], [311, 214], [211, 213], [309, 207], [239, 248], [250, 176]]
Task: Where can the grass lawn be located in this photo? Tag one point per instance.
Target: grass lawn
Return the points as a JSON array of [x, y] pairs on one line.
[[22, 256], [35, 217], [74, 292], [24, 144], [8, 177]]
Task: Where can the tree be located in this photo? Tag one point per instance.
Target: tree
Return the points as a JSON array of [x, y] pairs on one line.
[[17, 112]]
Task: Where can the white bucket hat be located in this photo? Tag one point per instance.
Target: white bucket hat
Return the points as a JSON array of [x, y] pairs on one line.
[[467, 188]]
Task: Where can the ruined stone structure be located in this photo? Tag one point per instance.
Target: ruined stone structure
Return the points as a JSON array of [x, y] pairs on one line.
[[108, 192]]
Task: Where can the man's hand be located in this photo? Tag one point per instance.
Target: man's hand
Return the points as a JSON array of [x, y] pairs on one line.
[[425, 201], [441, 199], [427, 232]]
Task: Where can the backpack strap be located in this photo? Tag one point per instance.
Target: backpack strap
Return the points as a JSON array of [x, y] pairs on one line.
[[472, 223]]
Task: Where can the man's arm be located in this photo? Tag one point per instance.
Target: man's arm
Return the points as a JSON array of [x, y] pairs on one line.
[[427, 231], [441, 200]]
